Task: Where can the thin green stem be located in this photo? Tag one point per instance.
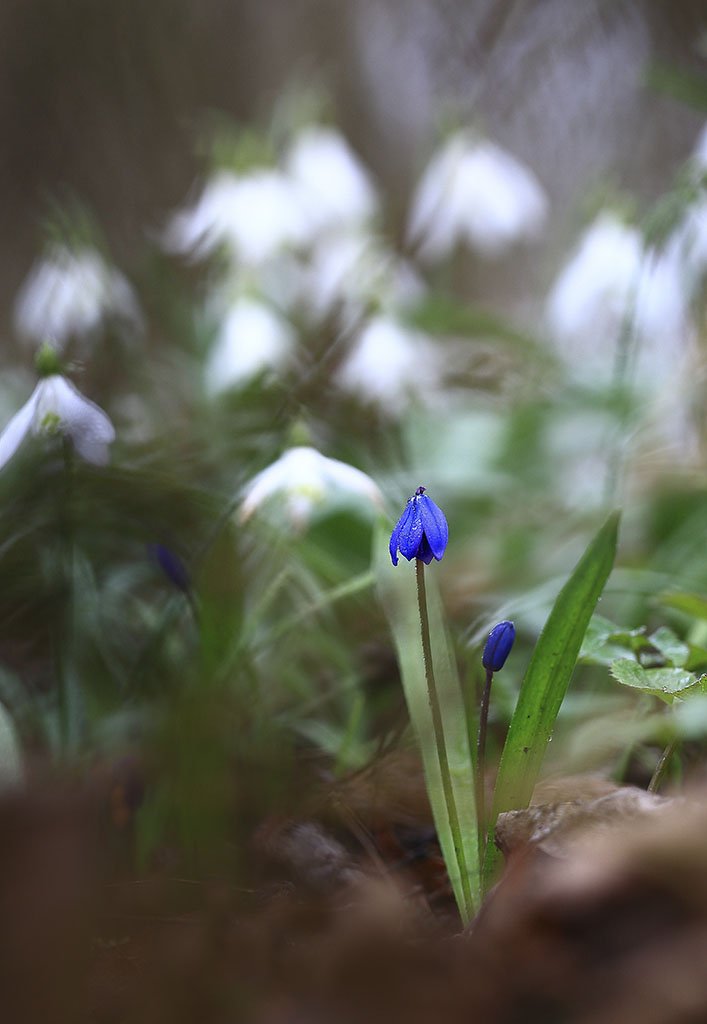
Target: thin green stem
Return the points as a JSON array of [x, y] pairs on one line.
[[69, 695], [439, 734], [662, 767], [481, 760]]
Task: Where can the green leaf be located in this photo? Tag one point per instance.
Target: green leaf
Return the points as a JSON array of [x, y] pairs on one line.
[[441, 314], [547, 678], [693, 605], [604, 642], [666, 683], [397, 590], [670, 646]]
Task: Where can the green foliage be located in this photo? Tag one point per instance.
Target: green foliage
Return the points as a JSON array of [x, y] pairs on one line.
[[548, 676]]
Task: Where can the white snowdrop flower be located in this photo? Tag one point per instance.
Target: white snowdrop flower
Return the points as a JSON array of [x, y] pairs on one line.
[[590, 297], [350, 270], [255, 215], [69, 293], [391, 365], [305, 480], [474, 192], [56, 406], [336, 190], [612, 282], [252, 338]]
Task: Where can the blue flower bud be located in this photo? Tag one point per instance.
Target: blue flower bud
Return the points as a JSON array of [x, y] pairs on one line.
[[421, 532], [171, 565], [498, 646]]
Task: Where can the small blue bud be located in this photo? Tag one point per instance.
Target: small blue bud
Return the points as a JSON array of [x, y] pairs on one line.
[[421, 532], [171, 565], [498, 646]]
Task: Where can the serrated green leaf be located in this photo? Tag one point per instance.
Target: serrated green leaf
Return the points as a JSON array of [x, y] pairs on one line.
[[665, 683], [548, 676]]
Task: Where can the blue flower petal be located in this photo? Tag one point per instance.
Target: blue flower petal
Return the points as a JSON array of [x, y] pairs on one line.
[[401, 525], [425, 552], [498, 646], [171, 565], [411, 532], [434, 524]]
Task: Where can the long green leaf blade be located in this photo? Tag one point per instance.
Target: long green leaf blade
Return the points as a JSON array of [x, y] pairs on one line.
[[548, 676]]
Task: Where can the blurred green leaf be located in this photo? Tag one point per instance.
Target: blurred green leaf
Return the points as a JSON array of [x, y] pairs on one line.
[[442, 314], [691, 604], [673, 649], [687, 87]]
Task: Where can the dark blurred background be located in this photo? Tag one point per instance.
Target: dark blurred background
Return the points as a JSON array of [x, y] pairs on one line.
[[106, 102]]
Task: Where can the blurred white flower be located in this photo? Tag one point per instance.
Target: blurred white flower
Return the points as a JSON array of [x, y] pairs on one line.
[[305, 480], [335, 189], [56, 406], [69, 293], [391, 365], [689, 239], [252, 338], [255, 215], [349, 271], [609, 284], [474, 192]]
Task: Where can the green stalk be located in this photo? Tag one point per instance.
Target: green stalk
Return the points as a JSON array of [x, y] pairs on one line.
[[439, 732], [662, 767], [481, 760]]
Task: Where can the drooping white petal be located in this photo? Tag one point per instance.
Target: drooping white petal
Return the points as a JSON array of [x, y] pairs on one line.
[[336, 190], [609, 283], [340, 475], [87, 426], [474, 192], [17, 429], [391, 365], [252, 338], [304, 478], [69, 293], [255, 216], [596, 282], [352, 269]]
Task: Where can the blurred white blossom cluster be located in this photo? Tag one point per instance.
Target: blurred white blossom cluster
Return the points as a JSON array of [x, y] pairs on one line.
[[70, 293], [302, 245], [624, 311], [616, 281]]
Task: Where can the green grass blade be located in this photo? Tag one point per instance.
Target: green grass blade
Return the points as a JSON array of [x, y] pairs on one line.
[[548, 676], [398, 595]]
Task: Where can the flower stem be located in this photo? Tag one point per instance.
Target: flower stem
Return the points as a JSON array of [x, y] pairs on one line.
[[433, 697], [661, 767], [481, 760], [69, 693]]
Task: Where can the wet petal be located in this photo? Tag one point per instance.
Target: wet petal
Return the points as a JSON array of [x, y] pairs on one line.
[[424, 551], [434, 524], [411, 532], [498, 646], [401, 524]]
